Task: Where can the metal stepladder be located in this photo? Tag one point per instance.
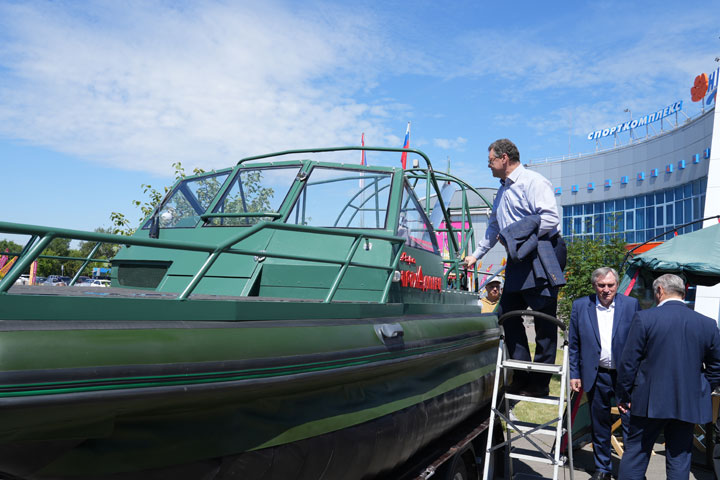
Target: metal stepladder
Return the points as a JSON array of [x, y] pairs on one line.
[[526, 430]]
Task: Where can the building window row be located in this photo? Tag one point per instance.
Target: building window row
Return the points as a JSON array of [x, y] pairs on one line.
[[625, 179], [638, 218]]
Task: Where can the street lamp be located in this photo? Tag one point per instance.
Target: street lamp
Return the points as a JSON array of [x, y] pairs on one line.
[[627, 110]]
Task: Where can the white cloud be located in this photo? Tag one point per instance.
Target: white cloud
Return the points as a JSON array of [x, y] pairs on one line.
[[140, 85], [450, 143]]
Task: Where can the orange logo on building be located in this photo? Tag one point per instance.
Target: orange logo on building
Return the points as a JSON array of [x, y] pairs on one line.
[[700, 88]]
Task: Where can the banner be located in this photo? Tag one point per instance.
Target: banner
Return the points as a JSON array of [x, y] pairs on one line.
[[33, 272]]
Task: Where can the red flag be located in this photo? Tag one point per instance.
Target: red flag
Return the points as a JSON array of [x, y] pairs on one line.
[[406, 144], [363, 161]]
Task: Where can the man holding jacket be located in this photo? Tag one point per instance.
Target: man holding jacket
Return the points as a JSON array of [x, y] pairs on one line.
[[599, 326], [525, 217]]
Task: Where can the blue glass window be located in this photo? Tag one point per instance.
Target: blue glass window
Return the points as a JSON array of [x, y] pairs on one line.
[[640, 219], [567, 223], [630, 203], [588, 208], [640, 201], [577, 209], [599, 224], [659, 214], [669, 195], [599, 207], [697, 187], [650, 217], [567, 211], [659, 198], [696, 208], [688, 190], [588, 224], [678, 213], [630, 237], [678, 193], [649, 200], [669, 216], [609, 206], [620, 223], [619, 205], [688, 209], [629, 220], [702, 206], [577, 225]]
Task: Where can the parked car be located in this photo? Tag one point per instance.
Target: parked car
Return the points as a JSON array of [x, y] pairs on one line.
[[97, 283], [56, 280]]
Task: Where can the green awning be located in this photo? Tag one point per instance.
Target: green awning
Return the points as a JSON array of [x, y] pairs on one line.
[[694, 256]]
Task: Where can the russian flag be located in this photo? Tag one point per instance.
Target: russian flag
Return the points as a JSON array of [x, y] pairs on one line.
[[406, 144]]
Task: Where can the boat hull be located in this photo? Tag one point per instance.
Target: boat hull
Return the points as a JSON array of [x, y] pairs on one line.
[[227, 399]]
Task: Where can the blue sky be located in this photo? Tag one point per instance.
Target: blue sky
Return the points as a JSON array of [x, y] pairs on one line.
[[97, 98]]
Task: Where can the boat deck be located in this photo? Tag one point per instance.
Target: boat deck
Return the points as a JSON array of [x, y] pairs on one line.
[[117, 292]]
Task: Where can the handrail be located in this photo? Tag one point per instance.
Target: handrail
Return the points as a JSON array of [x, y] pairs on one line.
[[47, 234], [430, 169]]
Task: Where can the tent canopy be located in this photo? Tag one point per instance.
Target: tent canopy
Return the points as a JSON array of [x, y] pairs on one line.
[[694, 256]]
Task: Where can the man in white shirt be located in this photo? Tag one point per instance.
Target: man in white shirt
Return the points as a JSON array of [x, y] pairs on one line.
[[524, 193], [599, 326]]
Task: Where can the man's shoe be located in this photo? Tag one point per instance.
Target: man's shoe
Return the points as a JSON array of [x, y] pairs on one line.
[[515, 388], [598, 475]]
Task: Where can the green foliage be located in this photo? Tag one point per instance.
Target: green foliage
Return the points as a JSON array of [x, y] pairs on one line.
[[254, 198], [121, 224], [584, 256], [58, 247], [10, 246]]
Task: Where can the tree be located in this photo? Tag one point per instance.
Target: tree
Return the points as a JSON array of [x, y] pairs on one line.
[[58, 247], [121, 224], [10, 246], [583, 257]]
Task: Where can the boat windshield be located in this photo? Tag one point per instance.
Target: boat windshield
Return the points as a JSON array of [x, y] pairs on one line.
[[252, 193], [333, 197], [189, 200]]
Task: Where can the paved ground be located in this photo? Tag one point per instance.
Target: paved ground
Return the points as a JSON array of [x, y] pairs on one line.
[[584, 466], [583, 458]]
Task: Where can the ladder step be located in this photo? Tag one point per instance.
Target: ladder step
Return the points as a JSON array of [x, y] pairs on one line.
[[527, 426], [546, 400], [534, 456], [531, 366]]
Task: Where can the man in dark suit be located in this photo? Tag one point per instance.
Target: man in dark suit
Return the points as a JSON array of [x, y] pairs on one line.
[[669, 367], [599, 325]]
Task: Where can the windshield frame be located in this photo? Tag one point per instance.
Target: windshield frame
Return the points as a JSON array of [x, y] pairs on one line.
[[350, 169], [211, 214]]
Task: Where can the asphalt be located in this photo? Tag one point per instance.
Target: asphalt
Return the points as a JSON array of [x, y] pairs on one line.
[[585, 466], [583, 458]]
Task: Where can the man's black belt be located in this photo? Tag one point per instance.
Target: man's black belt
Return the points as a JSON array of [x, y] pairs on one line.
[[606, 370]]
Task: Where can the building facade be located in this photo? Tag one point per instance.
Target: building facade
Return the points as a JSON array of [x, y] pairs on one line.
[[648, 189]]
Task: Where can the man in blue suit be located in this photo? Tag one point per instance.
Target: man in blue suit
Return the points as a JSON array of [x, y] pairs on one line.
[[599, 325], [670, 365]]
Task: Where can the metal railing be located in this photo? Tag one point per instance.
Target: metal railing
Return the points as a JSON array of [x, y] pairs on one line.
[[42, 236]]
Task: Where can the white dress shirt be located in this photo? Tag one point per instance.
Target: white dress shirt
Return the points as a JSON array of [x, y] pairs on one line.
[[605, 318], [524, 192]]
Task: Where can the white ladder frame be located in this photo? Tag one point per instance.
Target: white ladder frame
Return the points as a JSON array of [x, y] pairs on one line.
[[526, 431]]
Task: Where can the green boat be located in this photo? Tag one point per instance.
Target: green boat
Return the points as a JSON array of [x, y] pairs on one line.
[[282, 319]]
